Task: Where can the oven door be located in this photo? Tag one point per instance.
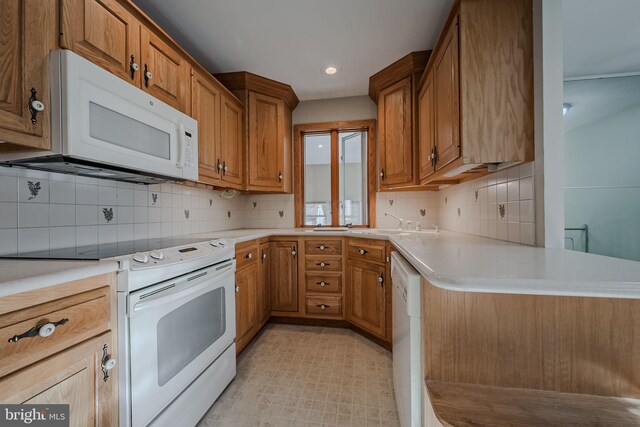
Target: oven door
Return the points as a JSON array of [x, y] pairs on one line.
[[176, 330]]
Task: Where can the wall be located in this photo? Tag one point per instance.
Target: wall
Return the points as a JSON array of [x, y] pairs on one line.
[[603, 184], [336, 109], [42, 211]]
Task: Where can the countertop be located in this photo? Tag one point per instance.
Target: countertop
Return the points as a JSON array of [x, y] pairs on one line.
[[461, 262], [18, 275], [449, 260]]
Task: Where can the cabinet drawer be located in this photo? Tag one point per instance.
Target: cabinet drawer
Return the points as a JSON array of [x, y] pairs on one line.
[[246, 256], [366, 250], [80, 322], [323, 247], [324, 283], [324, 306], [323, 263]]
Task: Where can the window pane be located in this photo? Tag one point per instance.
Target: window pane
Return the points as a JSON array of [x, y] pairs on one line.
[[353, 177], [317, 179]]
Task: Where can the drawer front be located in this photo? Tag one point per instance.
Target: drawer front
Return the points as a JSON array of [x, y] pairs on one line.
[[76, 324], [324, 283], [366, 250], [246, 256], [323, 263], [330, 306], [323, 247]]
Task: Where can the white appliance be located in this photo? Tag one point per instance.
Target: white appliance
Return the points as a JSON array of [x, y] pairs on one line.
[[407, 341], [176, 332], [105, 127]]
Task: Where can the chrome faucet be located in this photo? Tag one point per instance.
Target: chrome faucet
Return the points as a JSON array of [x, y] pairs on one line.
[[401, 221]]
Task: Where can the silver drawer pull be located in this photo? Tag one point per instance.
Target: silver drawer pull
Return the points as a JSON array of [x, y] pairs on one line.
[[363, 251], [323, 306], [322, 264], [248, 256], [322, 247], [323, 284]]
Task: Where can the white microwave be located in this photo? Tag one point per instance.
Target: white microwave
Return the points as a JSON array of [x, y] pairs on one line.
[[103, 126]]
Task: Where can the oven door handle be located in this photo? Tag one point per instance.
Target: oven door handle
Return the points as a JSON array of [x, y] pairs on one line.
[[186, 292]]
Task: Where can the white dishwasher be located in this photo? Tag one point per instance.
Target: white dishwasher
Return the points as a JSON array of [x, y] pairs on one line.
[[407, 341]]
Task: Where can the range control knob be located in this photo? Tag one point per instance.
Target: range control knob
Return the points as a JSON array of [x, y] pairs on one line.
[[213, 243], [141, 258], [156, 255], [222, 243]]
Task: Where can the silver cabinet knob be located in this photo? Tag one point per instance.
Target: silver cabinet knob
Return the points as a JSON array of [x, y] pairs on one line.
[[249, 255], [37, 105], [322, 264], [293, 253], [362, 252], [380, 279], [237, 288], [148, 75], [322, 248], [323, 284], [135, 67], [322, 307]]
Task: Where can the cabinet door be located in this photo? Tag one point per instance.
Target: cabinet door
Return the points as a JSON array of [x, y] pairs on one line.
[[165, 73], [266, 142], [426, 128], [246, 282], [27, 33], [231, 121], [396, 149], [366, 306], [447, 101], [103, 32], [205, 108], [284, 276], [73, 376], [263, 295]]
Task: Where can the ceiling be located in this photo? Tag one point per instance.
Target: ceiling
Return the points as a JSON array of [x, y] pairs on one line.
[[294, 41], [596, 99], [601, 37]]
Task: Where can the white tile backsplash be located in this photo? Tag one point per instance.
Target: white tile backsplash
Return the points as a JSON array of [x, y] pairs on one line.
[[40, 210]]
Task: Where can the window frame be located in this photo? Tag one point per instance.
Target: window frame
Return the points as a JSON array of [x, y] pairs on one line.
[[299, 131]]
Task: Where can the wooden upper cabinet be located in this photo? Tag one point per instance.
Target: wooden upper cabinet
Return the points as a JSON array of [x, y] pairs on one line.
[[447, 105], [284, 276], [394, 90], [263, 294], [266, 133], [395, 144], [164, 72], [426, 127], [205, 108], [366, 296], [27, 33], [105, 33], [231, 141]]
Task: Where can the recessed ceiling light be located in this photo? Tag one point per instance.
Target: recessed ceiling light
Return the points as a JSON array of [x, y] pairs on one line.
[[565, 108], [320, 145], [331, 70]]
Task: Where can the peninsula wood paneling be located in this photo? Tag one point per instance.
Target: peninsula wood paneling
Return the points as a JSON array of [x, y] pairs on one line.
[[565, 344]]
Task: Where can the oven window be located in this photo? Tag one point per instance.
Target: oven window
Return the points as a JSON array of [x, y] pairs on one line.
[[188, 331], [118, 129]]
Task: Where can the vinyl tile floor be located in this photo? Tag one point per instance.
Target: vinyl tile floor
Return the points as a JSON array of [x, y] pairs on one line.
[[308, 376]]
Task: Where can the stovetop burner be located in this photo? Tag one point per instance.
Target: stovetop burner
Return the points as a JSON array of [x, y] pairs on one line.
[[108, 250]]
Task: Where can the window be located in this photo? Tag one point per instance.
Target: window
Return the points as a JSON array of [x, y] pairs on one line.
[[333, 180]]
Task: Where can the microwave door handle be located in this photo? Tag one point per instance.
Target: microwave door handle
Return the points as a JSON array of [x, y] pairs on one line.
[[181, 144], [185, 292]]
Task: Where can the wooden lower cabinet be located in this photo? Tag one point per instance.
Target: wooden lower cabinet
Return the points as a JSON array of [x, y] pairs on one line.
[[246, 322], [73, 376], [366, 296], [263, 293], [69, 366], [284, 276]]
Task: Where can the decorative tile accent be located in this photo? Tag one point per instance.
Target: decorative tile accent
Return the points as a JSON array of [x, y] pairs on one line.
[[108, 214], [423, 212], [255, 204], [34, 189], [154, 198], [187, 213], [228, 214], [281, 213], [390, 202], [501, 209]]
